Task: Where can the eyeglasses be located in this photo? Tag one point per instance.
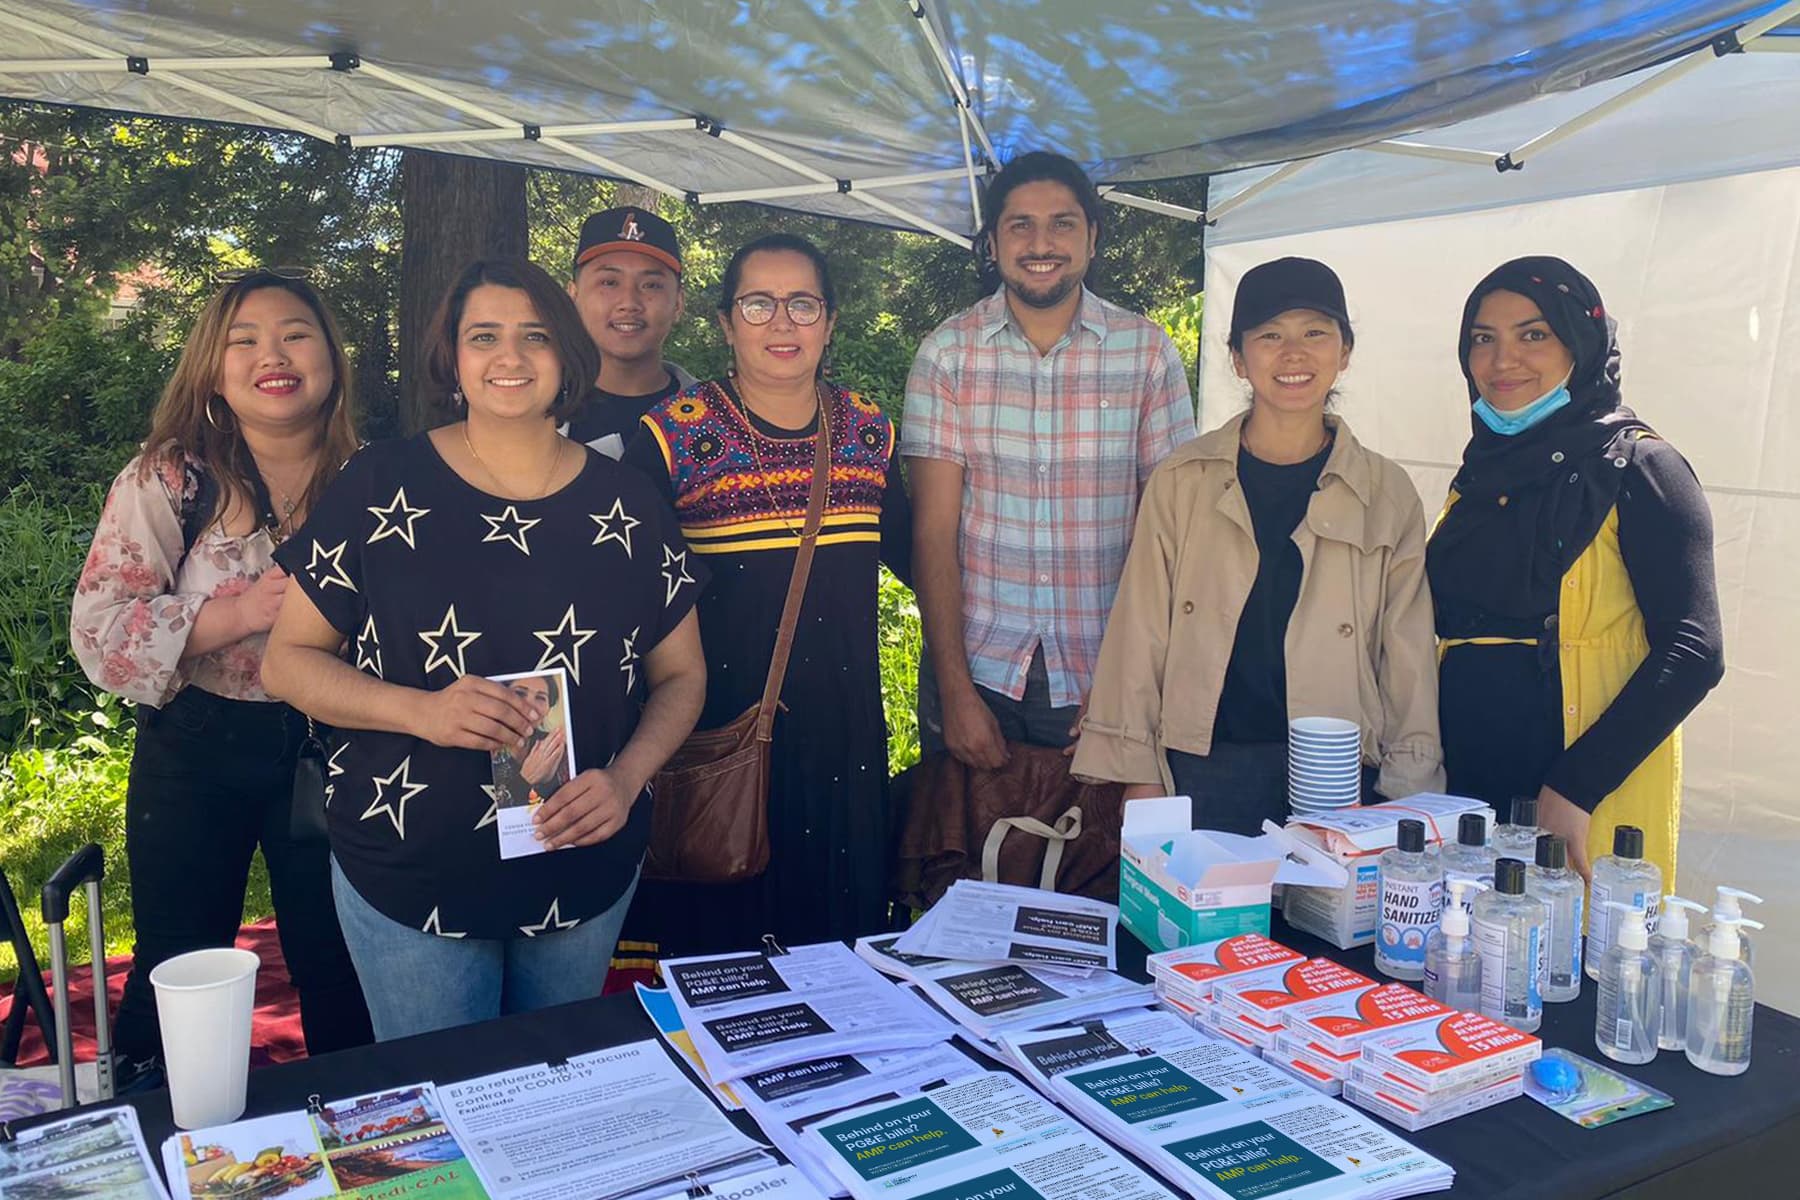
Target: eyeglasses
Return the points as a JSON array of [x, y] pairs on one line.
[[759, 308], [239, 274]]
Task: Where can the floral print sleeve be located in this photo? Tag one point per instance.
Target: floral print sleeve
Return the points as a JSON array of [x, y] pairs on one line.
[[133, 613]]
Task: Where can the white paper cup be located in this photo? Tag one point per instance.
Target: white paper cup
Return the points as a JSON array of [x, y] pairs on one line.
[[204, 1001]]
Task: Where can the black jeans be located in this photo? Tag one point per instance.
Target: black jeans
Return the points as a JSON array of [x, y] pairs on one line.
[[212, 779], [1031, 719]]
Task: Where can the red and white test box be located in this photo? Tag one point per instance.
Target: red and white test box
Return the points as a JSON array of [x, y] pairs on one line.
[[1191, 971], [1453, 1051], [1341, 1023], [1262, 995]]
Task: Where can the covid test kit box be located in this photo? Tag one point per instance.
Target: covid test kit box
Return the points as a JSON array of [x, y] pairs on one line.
[[1179, 886]]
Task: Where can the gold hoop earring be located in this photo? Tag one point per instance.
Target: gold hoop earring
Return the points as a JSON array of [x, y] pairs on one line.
[[212, 420]]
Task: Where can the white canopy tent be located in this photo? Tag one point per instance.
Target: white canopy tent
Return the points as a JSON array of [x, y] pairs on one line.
[[1685, 209]]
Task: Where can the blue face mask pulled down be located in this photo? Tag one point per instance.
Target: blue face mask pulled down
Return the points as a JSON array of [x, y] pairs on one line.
[[1510, 424]]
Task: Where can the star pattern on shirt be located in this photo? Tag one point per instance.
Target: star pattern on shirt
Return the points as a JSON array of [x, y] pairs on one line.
[[674, 579], [332, 771], [446, 632], [628, 663], [396, 520], [552, 921], [368, 648], [434, 925], [509, 526], [493, 809], [393, 802], [562, 645], [336, 575], [615, 526]]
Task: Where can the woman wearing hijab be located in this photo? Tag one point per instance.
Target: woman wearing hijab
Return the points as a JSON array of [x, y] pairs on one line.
[[1573, 576]]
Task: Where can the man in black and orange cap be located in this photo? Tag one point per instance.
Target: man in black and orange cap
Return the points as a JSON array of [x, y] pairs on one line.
[[627, 286]]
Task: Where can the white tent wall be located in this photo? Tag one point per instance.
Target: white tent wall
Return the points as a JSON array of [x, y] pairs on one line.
[[1702, 277]]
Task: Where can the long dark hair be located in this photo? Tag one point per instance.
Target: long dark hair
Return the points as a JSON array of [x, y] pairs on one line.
[[791, 242]]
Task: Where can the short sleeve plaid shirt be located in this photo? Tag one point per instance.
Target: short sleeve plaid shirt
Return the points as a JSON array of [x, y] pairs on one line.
[[1055, 449]]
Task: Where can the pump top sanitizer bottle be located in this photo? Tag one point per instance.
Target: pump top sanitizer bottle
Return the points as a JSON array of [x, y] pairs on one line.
[[1674, 955], [1721, 1002], [1729, 904], [1452, 964], [1625, 1015], [1624, 876]]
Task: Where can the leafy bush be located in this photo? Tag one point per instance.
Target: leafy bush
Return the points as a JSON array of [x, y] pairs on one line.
[[44, 697], [900, 647]]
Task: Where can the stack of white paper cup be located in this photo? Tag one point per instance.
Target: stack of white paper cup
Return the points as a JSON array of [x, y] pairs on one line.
[[1324, 764], [204, 1001]]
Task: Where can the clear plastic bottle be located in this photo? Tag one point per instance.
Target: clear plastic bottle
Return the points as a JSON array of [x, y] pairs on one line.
[[1674, 956], [1517, 837], [1550, 880], [1412, 895], [1452, 964], [1728, 905], [1624, 876], [1721, 1002], [1471, 859], [1625, 1028], [1509, 929]]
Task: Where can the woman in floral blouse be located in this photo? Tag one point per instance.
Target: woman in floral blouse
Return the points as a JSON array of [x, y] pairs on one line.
[[173, 610]]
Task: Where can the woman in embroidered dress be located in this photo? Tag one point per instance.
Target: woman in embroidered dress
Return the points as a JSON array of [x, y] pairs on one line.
[[173, 610], [735, 455]]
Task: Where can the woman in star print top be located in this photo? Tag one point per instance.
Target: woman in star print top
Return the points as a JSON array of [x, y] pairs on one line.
[[489, 546]]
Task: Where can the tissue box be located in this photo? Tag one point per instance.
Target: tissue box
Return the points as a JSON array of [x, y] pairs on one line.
[[1226, 879]]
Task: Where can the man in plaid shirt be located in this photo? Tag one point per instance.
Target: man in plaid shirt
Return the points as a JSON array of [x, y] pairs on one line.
[[1033, 421]]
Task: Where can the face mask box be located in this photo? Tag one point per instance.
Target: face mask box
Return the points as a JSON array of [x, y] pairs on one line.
[[1182, 887]]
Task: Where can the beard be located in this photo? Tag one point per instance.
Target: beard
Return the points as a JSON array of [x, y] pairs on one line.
[[1019, 284]]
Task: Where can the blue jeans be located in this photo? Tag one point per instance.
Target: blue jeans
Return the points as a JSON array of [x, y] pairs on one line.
[[417, 982]]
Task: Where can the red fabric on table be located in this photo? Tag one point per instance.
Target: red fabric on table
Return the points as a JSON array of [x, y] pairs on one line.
[[274, 1036]]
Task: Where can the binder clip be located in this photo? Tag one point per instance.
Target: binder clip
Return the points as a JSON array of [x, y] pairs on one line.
[[314, 1104], [696, 1189], [771, 947], [557, 1064], [6, 1132]]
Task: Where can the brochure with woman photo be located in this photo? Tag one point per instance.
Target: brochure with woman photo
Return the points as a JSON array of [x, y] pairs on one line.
[[525, 778]]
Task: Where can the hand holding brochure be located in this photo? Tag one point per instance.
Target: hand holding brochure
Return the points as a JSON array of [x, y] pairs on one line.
[[997, 922], [753, 1012], [525, 778], [988, 1137]]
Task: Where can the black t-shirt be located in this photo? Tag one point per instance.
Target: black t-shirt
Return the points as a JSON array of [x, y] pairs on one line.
[[430, 578], [608, 421], [1253, 702]]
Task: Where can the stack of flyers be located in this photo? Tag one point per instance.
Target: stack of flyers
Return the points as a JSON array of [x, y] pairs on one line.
[[1046, 1055], [989, 999], [1222, 1125], [879, 952], [1188, 974], [999, 922], [987, 1137], [383, 1144], [755, 1012], [1261, 996], [1438, 1069], [92, 1154]]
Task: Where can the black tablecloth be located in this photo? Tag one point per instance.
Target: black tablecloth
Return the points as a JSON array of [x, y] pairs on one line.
[[1723, 1138]]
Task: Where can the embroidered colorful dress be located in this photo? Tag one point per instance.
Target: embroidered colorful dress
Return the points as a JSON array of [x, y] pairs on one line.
[[739, 487]]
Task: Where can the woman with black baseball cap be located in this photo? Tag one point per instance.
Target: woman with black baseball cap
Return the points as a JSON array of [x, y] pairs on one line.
[[1277, 571], [1573, 573]]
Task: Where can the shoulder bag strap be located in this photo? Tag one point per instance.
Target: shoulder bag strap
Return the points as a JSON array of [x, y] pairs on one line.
[[809, 540]]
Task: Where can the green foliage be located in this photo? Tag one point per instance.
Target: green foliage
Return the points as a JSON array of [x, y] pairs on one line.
[[1181, 320], [44, 697], [901, 645]]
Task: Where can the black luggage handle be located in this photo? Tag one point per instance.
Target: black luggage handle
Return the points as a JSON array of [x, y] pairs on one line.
[[86, 865]]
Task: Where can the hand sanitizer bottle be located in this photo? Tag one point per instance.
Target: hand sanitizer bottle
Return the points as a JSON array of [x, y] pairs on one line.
[[1518, 837], [1630, 990], [1470, 859], [1721, 1002], [1624, 876], [1551, 881], [1412, 890], [1452, 964], [1509, 929], [1674, 956], [1727, 905]]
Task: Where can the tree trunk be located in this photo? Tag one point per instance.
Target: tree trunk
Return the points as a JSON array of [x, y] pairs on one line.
[[453, 210], [635, 195]]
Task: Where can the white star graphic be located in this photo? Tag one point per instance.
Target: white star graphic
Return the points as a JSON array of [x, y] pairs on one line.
[[337, 576], [402, 527], [552, 920], [509, 526], [368, 648], [557, 651], [452, 658], [677, 577], [615, 515], [401, 778], [493, 809], [332, 771], [628, 663], [434, 925]]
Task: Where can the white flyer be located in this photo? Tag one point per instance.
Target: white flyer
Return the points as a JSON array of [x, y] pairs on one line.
[[755, 1012], [998, 922], [988, 1137], [90, 1156], [525, 778], [1043, 1054], [605, 1124], [989, 999]]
